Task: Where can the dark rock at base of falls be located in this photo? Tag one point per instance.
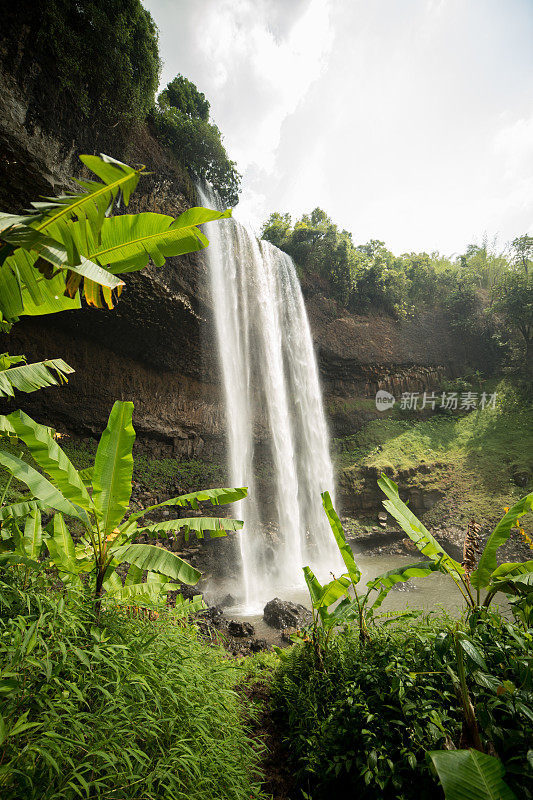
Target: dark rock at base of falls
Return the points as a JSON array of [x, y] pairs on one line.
[[259, 645], [240, 629], [284, 614]]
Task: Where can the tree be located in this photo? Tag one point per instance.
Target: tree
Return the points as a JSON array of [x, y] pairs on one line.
[[513, 301], [183, 95], [523, 251], [182, 121]]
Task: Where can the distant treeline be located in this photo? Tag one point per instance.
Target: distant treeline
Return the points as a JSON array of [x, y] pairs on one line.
[[485, 291]]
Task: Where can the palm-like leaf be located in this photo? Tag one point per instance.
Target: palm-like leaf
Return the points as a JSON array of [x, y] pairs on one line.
[[118, 180], [113, 467], [338, 532], [30, 377], [417, 532], [385, 582], [78, 241], [40, 487], [33, 535], [21, 510], [63, 553], [51, 458], [487, 563], [216, 526], [217, 497], [471, 775], [157, 559]]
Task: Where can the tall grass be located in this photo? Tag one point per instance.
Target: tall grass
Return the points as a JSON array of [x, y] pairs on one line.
[[129, 709]]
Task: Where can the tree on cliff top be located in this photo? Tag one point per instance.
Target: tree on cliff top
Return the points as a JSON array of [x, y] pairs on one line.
[[182, 121], [98, 60]]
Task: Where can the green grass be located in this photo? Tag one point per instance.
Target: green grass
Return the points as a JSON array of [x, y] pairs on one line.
[[130, 709], [472, 459]]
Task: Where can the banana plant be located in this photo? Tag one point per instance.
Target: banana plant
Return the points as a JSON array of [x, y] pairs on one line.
[[512, 579], [71, 243], [98, 500], [352, 605]]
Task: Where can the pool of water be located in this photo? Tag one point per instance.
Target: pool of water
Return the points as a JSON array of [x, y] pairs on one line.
[[433, 593]]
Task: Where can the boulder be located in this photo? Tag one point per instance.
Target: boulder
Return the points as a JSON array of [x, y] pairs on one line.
[[227, 601], [284, 614], [240, 629], [258, 645]]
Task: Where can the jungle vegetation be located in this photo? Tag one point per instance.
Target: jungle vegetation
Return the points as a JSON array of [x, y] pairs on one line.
[[486, 290]]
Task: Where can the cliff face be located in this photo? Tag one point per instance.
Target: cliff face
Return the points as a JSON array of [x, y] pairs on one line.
[[157, 347]]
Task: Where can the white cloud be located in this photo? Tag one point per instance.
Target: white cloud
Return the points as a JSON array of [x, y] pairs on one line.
[[407, 122]]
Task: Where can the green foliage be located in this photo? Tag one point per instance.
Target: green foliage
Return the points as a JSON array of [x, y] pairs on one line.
[[183, 95], [182, 121], [353, 605], [465, 774], [46, 255], [513, 301], [97, 60], [107, 539], [510, 579], [366, 276], [30, 377], [363, 725], [132, 709]]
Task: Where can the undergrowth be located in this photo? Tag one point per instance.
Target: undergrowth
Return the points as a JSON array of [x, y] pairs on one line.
[[361, 725], [132, 708]]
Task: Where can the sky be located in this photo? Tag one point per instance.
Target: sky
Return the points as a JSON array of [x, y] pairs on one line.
[[408, 121]]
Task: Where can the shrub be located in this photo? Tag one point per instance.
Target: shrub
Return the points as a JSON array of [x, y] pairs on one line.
[[365, 723]]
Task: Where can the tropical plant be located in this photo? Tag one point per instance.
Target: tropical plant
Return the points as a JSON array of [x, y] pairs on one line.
[[98, 499], [70, 242], [352, 606], [467, 774], [30, 377], [515, 580]]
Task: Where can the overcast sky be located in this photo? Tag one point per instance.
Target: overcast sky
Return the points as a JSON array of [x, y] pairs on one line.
[[409, 121]]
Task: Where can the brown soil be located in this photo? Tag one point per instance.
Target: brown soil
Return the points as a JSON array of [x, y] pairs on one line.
[[278, 782]]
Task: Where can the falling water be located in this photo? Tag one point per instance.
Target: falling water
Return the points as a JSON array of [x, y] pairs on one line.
[[272, 396]]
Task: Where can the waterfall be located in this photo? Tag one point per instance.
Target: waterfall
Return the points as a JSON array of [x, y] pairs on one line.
[[273, 405]]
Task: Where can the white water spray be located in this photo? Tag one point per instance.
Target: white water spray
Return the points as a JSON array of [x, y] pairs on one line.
[[272, 396]]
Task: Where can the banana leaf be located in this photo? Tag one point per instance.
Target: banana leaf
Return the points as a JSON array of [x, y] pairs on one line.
[[417, 532], [216, 497], [30, 377], [471, 775], [118, 181], [338, 532], [40, 487], [157, 559], [22, 509], [63, 553], [384, 583], [51, 458], [216, 526], [33, 535], [113, 467], [487, 563]]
